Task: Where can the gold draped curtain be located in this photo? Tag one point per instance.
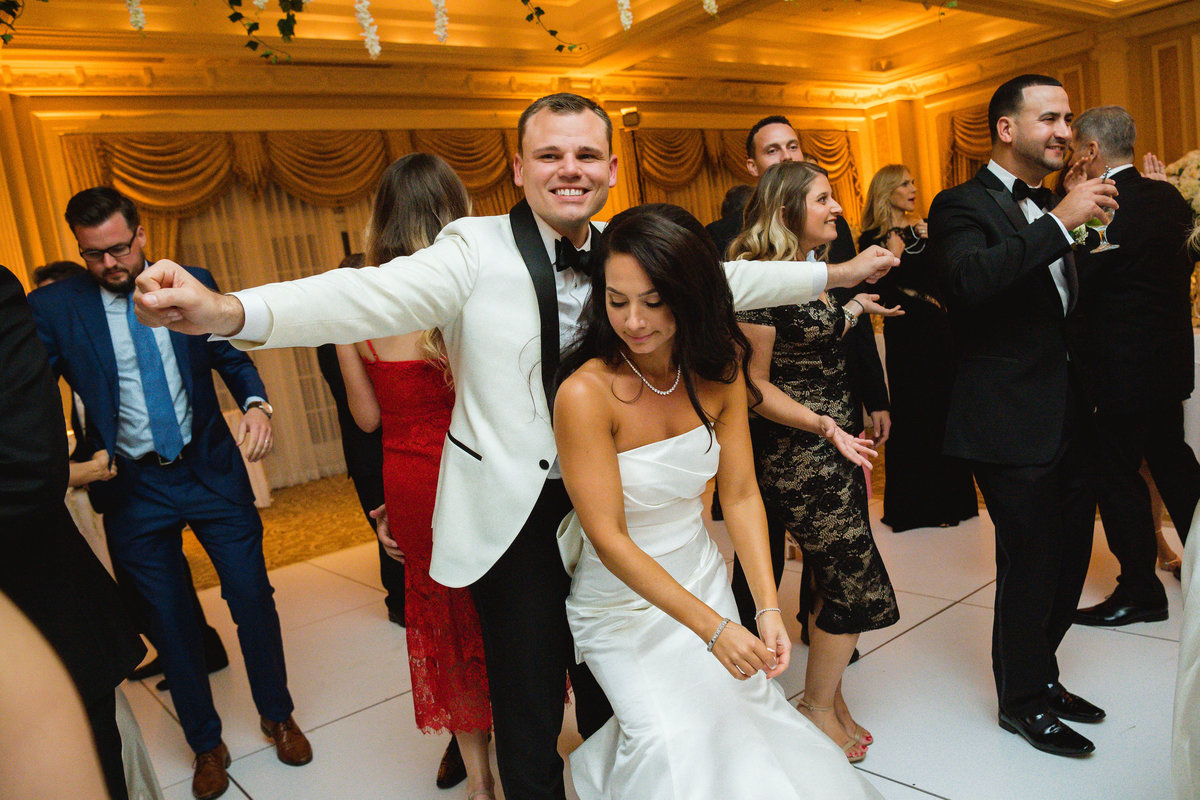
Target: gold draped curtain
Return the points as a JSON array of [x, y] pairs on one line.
[[970, 144], [172, 176], [694, 168]]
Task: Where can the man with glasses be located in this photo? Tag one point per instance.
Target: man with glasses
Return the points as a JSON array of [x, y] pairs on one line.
[[152, 406]]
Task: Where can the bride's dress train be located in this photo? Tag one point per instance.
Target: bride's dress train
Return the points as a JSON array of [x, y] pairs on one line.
[[683, 728]]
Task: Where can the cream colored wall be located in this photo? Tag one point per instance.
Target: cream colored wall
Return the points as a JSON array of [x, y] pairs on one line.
[[1149, 63]]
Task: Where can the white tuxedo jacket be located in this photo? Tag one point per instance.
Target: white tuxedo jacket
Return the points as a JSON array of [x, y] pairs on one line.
[[473, 285]]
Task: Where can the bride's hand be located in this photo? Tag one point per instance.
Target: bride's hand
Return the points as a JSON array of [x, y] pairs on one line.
[[741, 652], [774, 636]]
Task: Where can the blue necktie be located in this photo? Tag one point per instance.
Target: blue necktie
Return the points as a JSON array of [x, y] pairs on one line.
[[164, 427]]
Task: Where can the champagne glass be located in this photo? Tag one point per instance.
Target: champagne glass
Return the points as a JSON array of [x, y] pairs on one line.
[[1100, 225]]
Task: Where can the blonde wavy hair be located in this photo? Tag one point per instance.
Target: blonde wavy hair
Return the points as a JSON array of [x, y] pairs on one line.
[[418, 195], [877, 211], [775, 214]]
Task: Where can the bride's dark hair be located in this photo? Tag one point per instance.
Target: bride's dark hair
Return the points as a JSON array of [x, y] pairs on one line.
[[682, 263]]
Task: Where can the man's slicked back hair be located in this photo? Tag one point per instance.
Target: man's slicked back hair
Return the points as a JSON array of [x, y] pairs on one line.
[[1112, 126]]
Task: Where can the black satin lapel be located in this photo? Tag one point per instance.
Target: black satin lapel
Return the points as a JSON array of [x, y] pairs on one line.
[[1072, 280], [541, 271], [1004, 199], [90, 311]]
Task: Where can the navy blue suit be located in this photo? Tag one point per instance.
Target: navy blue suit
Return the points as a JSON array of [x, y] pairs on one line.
[[146, 506]]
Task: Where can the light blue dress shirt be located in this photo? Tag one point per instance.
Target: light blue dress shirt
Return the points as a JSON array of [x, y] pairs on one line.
[[134, 438]]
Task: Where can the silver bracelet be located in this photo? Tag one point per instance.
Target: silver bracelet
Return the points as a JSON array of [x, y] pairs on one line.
[[765, 610], [720, 628], [851, 317]]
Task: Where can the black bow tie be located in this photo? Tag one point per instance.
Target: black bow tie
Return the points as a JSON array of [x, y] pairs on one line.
[[1041, 196], [567, 257]]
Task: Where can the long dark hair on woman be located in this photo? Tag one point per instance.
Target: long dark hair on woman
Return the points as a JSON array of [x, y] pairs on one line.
[[418, 195], [682, 263]]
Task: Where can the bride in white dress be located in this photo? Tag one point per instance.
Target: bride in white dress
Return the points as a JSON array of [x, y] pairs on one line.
[[654, 406]]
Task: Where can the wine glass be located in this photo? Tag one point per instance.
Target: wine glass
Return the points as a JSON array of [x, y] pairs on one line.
[[1100, 225]]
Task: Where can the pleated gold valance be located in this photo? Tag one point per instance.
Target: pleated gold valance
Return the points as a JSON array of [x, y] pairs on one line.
[[172, 176], [694, 168], [970, 144]]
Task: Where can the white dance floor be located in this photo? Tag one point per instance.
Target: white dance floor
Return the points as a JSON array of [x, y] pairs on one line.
[[923, 688]]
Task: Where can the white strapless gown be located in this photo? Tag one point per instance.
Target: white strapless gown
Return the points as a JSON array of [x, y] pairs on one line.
[[683, 728]]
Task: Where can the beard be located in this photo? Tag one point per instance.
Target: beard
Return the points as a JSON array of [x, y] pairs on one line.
[[117, 280], [1036, 153]]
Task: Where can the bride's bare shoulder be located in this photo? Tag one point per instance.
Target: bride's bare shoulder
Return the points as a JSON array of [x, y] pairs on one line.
[[586, 386]]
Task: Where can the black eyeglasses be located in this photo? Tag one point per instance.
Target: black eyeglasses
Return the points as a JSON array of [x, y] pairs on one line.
[[116, 251]]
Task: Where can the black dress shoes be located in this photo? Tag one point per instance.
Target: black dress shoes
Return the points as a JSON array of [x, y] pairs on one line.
[[1116, 611], [1045, 732], [1068, 706]]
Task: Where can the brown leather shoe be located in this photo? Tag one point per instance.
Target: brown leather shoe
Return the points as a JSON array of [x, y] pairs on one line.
[[210, 779], [291, 745]]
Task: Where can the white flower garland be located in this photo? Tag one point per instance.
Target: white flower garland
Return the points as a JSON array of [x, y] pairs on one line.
[[711, 6], [370, 33], [441, 21], [626, 14], [261, 5], [137, 19]]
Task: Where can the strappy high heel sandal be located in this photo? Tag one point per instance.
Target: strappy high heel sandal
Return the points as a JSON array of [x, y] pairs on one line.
[[855, 751]]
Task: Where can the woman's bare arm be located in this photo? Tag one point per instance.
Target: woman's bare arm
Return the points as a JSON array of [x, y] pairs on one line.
[[360, 392]]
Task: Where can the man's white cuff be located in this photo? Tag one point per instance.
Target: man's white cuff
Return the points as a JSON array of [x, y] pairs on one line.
[[257, 327]]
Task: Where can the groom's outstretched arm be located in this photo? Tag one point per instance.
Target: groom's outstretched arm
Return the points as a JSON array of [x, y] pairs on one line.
[[418, 292], [761, 284]]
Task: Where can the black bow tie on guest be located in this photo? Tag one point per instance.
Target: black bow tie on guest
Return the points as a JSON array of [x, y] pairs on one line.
[[567, 257], [1041, 196]]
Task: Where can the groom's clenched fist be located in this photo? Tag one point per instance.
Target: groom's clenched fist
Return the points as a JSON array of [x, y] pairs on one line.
[[167, 294]]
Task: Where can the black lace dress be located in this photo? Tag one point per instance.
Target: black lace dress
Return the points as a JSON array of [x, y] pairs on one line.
[[807, 484]]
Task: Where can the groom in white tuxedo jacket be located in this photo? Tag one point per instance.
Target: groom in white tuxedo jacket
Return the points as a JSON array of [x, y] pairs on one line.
[[506, 295]]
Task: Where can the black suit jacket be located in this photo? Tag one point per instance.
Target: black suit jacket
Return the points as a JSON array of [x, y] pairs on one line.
[[48, 570], [1135, 301], [723, 230], [363, 451], [1009, 398]]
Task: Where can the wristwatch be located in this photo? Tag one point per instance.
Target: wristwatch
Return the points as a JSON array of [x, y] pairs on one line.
[[261, 405]]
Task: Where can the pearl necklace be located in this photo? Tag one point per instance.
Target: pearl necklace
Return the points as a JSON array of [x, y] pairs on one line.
[[650, 386]]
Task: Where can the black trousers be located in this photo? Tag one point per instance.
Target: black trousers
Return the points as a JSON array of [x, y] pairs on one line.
[[528, 648], [102, 716], [369, 489], [1123, 441], [1044, 516]]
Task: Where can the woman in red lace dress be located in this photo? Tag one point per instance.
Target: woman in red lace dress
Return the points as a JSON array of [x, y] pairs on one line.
[[403, 383]]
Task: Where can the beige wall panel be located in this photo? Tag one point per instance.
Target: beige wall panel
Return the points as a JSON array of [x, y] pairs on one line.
[[1167, 64]]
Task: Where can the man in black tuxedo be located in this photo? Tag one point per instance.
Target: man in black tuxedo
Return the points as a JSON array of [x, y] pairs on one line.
[[1016, 407], [48, 570], [1137, 354]]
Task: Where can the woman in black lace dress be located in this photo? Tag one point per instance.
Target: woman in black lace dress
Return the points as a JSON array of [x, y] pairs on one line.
[[923, 488], [799, 361]]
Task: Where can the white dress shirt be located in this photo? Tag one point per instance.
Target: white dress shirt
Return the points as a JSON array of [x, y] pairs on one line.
[[1058, 269]]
